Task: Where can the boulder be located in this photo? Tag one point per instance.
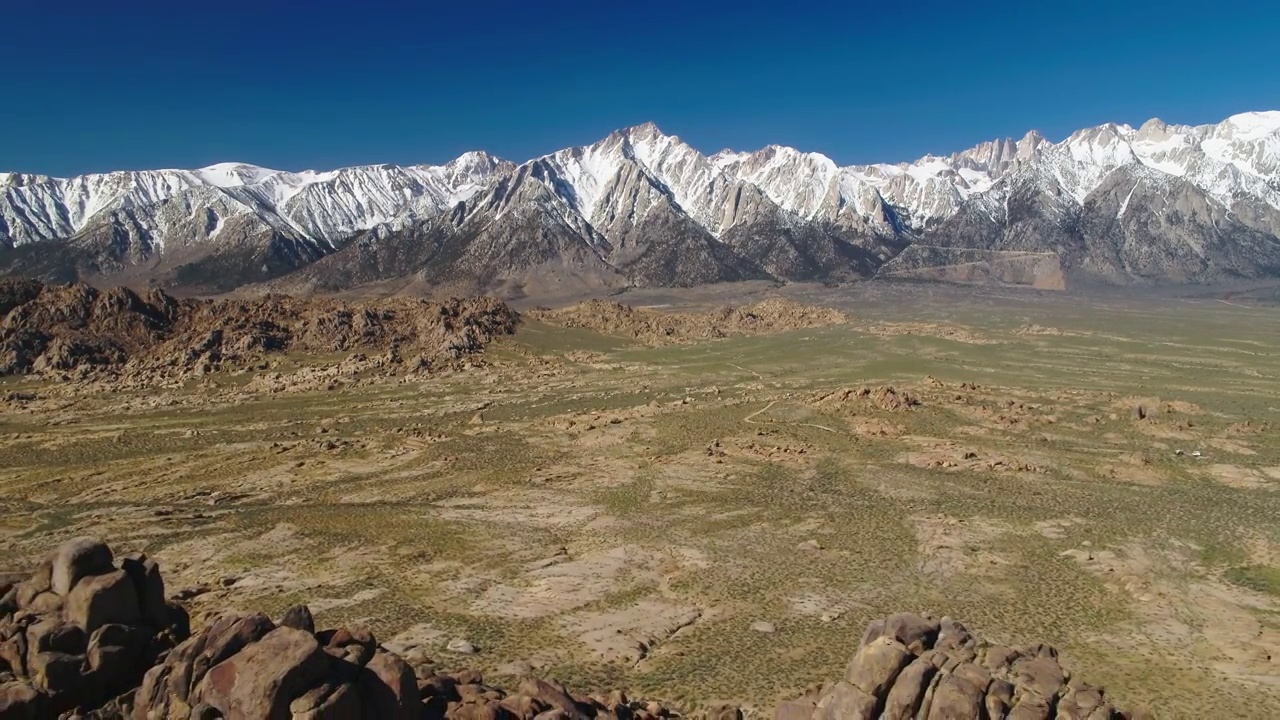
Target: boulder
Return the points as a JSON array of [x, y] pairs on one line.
[[78, 558], [100, 599], [354, 645], [53, 634], [328, 702], [263, 680], [553, 695], [389, 688], [915, 667], [299, 617], [1042, 675], [801, 709], [719, 712], [915, 632], [45, 603], [55, 672], [21, 701], [149, 586], [904, 699], [877, 664], [168, 688], [80, 649], [956, 698], [846, 701]]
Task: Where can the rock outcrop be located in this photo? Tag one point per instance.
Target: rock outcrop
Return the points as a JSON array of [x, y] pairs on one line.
[[65, 327], [659, 328], [913, 666], [91, 636], [81, 630]]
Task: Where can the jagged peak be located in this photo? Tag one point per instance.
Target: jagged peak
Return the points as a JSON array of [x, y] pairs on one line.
[[478, 159], [17, 179], [645, 129], [1155, 124]]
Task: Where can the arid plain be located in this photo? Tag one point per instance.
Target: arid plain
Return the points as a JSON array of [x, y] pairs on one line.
[[716, 519]]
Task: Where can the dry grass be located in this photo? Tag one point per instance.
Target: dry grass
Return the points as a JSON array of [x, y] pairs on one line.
[[528, 505]]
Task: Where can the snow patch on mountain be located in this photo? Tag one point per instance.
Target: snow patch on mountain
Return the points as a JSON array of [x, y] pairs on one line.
[[616, 182]]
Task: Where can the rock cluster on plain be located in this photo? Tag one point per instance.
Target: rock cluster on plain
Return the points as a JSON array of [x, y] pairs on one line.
[[51, 328], [92, 636], [913, 666], [81, 630], [775, 314]]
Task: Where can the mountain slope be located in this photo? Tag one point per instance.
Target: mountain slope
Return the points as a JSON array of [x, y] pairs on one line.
[[1113, 203]]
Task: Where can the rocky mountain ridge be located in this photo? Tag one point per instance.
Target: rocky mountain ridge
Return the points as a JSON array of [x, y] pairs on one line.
[[56, 329], [1116, 204]]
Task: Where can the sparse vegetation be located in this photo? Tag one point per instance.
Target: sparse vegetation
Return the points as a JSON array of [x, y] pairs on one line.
[[1262, 578], [578, 476]]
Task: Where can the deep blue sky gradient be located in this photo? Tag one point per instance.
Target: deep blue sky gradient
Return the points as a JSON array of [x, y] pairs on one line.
[[92, 85]]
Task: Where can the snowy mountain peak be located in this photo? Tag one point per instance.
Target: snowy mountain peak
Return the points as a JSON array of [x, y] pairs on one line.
[[226, 175], [1252, 125], [640, 175], [12, 179], [644, 131], [476, 159]]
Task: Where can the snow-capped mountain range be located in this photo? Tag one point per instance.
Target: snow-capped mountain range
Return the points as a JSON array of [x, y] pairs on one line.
[[1113, 203]]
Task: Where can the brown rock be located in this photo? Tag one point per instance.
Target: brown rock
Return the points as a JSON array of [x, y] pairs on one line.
[[167, 688], [439, 686], [299, 617], [491, 710], [1030, 706], [720, 712], [956, 699], [552, 694], [999, 698], [1079, 703], [354, 645], [145, 575], [45, 603], [389, 688], [328, 702], [907, 694], [795, 709], [55, 672], [523, 706], [100, 599], [876, 665], [845, 702], [117, 656], [13, 652], [916, 632], [1041, 674], [54, 635], [262, 680], [20, 701], [78, 558]]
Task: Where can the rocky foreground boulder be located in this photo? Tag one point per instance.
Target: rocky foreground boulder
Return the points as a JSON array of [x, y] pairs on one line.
[[913, 666], [81, 630], [87, 636]]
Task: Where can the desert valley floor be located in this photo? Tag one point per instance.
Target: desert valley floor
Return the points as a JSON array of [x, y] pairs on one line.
[[718, 519]]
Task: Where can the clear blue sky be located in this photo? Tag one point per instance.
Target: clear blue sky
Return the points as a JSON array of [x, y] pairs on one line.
[[93, 85]]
